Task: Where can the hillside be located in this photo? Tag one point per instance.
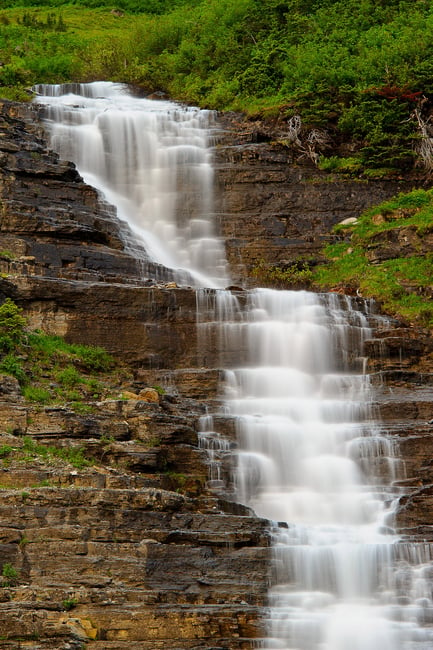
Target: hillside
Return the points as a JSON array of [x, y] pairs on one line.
[[348, 79]]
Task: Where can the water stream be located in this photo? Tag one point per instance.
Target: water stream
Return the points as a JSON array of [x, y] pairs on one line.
[[152, 160], [310, 456]]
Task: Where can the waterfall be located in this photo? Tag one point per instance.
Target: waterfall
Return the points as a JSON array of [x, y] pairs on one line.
[[150, 159], [309, 456]]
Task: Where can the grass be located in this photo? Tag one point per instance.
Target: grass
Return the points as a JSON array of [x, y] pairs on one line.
[[10, 575], [283, 276], [402, 283], [72, 455], [52, 371]]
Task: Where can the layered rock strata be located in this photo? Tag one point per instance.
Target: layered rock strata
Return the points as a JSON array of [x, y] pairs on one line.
[[132, 552], [135, 551], [274, 206]]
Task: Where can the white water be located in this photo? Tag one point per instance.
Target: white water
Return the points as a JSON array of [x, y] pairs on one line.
[[311, 455], [151, 159], [309, 452]]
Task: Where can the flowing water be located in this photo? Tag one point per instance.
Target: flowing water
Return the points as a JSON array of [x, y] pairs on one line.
[[151, 159], [310, 456]]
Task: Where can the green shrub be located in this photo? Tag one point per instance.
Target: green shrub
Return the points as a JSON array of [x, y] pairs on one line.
[[5, 450], [69, 603], [37, 394], [12, 365], [69, 377], [284, 275], [93, 358], [73, 455], [10, 575], [340, 165], [12, 326]]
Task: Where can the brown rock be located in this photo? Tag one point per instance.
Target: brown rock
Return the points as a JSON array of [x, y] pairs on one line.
[[149, 395]]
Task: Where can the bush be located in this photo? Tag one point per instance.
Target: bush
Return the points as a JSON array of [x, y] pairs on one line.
[[93, 358], [10, 575], [12, 326], [11, 365], [37, 394], [69, 377]]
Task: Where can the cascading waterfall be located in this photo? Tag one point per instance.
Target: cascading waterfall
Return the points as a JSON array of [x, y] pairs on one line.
[[309, 455], [150, 159]]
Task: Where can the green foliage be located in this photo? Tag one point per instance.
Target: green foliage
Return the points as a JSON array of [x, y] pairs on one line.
[[340, 165], [288, 275], [10, 575], [72, 455], [12, 326], [69, 603], [401, 284], [92, 358], [12, 365], [69, 377], [7, 255], [37, 394], [356, 69], [81, 407], [5, 450]]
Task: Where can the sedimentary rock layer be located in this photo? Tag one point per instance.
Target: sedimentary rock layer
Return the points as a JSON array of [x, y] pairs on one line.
[[136, 551]]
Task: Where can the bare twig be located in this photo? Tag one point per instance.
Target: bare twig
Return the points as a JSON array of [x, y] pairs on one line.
[[424, 147]]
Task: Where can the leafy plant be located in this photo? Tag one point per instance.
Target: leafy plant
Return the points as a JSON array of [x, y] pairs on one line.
[[283, 275], [12, 365], [37, 394], [7, 255], [10, 575], [69, 377], [69, 603], [400, 284], [340, 165], [5, 450], [12, 325], [73, 455]]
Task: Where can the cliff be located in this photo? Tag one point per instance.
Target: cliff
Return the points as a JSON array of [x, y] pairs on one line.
[[134, 550], [274, 206]]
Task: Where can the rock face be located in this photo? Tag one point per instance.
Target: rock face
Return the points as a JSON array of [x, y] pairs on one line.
[[274, 211], [135, 551], [401, 361]]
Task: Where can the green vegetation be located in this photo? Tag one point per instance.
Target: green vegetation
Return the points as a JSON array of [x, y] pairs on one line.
[[11, 326], [350, 70], [69, 603], [72, 455], [382, 256], [283, 276], [49, 369], [10, 575]]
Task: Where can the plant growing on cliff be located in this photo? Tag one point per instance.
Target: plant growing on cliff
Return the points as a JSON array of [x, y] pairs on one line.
[[48, 368], [374, 258], [37, 394], [69, 603], [355, 71], [12, 325], [12, 365], [10, 575], [282, 276], [72, 455], [69, 377]]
